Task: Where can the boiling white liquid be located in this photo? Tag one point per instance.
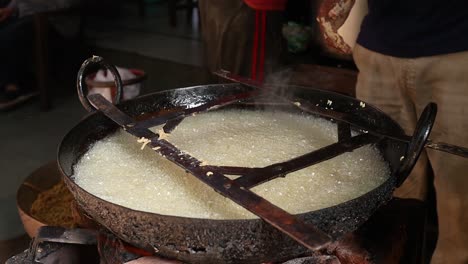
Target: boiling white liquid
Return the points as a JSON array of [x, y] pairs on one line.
[[115, 169]]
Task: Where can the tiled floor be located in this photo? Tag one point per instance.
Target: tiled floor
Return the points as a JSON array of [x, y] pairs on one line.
[[29, 137]]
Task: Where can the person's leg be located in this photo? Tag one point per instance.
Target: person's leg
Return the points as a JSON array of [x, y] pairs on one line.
[[444, 80], [220, 22], [228, 31], [382, 82]]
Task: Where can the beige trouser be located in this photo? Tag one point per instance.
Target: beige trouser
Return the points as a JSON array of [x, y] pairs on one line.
[[402, 87]]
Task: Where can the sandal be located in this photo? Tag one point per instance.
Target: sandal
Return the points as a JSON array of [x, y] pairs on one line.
[[11, 96]]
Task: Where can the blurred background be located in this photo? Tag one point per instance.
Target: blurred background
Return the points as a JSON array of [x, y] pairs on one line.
[[166, 40]]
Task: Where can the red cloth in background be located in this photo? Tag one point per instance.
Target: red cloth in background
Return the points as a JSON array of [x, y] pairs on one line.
[[259, 42], [267, 5]]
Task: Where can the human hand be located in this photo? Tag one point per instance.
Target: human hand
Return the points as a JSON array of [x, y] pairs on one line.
[[331, 16], [5, 13]]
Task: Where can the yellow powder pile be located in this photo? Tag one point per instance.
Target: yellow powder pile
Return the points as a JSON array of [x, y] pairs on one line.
[[53, 206]]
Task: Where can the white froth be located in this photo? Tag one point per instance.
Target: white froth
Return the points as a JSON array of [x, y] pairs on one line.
[[117, 170]]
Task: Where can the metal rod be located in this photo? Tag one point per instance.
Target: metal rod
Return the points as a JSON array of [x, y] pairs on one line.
[[279, 169], [344, 131], [449, 148], [211, 105], [343, 117], [306, 234]]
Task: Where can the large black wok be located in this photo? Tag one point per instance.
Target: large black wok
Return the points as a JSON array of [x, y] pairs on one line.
[[232, 241]]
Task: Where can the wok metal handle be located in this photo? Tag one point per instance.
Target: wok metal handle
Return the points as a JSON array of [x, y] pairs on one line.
[[418, 141], [81, 81]]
